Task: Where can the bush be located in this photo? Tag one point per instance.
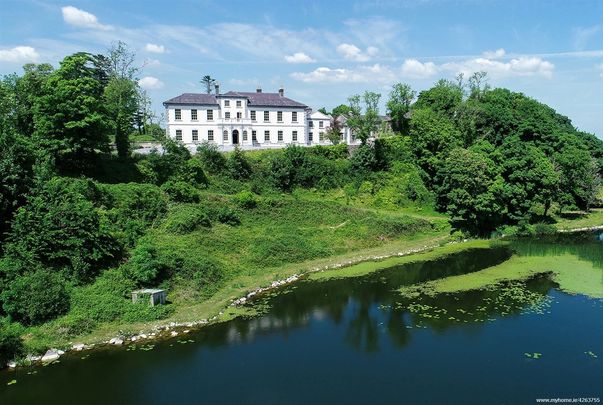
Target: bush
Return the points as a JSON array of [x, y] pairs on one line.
[[542, 229], [36, 297], [237, 165], [211, 158], [180, 191], [186, 218], [192, 173], [11, 345], [364, 159], [227, 215], [246, 199], [334, 152], [144, 267]]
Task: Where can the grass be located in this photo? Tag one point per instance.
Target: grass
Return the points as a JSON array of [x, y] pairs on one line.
[[581, 220]]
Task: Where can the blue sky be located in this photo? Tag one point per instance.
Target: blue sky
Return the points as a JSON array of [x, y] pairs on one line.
[[324, 51]]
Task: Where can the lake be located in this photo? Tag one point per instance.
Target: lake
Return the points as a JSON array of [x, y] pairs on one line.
[[359, 340]]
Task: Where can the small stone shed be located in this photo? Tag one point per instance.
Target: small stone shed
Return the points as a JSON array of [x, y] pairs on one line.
[[155, 296]]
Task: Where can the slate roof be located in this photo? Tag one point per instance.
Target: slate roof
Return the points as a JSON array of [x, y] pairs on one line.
[[193, 98], [255, 99]]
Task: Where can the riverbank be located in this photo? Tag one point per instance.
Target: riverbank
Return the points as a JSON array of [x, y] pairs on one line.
[[225, 303]]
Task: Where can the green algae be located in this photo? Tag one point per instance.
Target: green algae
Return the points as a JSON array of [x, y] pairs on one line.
[[430, 253], [573, 275]]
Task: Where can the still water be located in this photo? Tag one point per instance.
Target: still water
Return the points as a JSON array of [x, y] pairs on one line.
[[358, 341]]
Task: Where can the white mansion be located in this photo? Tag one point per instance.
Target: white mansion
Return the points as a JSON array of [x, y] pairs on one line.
[[247, 119]]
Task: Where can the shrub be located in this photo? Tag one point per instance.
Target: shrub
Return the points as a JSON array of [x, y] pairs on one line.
[[227, 215], [542, 229], [211, 158], [364, 159], [246, 199], [144, 267], [60, 228], [186, 218], [192, 173], [11, 345], [237, 165], [331, 152], [180, 191], [36, 297]]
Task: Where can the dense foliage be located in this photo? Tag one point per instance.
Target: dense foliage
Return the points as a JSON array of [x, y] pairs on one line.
[[80, 227]]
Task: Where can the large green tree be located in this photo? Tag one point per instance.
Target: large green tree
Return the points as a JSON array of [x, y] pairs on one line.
[[363, 117], [70, 118], [398, 107]]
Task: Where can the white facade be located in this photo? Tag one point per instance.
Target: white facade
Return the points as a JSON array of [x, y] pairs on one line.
[[250, 120]]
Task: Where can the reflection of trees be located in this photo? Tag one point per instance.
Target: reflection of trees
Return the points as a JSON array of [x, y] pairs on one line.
[[585, 245], [366, 305]]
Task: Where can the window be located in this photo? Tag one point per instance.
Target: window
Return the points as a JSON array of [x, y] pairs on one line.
[[239, 115], [320, 124], [254, 136], [253, 116], [225, 135], [178, 113], [195, 135], [244, 135], [280, 136], [226, 103], [210, 115], [178, 134], [294, 116], [194, 115], [310, 136], [238, 103], [227, 115], [279, 116], [266, 116], [321, 136], [311, 124], [210, 135], [294, 136], [266, 136]]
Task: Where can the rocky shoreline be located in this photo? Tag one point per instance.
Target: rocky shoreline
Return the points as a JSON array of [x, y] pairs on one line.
[[174, 329]]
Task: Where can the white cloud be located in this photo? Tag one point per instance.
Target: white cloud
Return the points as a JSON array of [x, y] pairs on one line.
[[419, 70], [80, 18], [521, 66], [19, 54], [299, 57], [154, 48], [497, 54], [362, 74], [601, 69], [150, 83], [352, 52]]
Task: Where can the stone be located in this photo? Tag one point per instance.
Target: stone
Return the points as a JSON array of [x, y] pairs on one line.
[[78, 347], [174, 333], [12, 364], [51, 355], [116, 341]]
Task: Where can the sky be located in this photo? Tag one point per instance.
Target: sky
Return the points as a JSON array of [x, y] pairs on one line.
[[324, 51]]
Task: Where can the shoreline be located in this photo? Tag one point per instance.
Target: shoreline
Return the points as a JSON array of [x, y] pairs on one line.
[[172, 329]]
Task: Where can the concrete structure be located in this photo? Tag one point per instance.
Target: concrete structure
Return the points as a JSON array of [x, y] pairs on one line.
[[154, 295], [246, 119]]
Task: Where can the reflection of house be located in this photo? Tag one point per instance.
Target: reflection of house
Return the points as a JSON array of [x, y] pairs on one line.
[[247, 119]]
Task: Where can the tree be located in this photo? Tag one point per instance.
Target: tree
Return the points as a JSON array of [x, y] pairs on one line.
[[341, 109], [398, 107], [333, 133], [470, 191], [323, 110], [579, 176], [433, 136], [444, 98], [70, 117], [122, 95], [363, 118], [208, 82]]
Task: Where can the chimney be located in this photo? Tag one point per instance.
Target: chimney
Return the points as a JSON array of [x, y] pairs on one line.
[[217, 87], [281, 91], [258, 89]]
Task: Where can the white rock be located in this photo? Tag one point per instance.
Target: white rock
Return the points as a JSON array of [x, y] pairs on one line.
[[116, 341], [51, 355], [143, 336], [78, 347], [134, 338], [12, 364], [185, 331], [60, 352], [174, 333]]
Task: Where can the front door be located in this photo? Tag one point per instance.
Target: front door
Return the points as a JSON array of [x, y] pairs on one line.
[[235, 137]]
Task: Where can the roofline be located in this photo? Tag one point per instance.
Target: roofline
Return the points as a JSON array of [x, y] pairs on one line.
[[166, 103]]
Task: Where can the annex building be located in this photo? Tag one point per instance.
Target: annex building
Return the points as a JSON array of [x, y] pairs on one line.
[[247, 119]]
